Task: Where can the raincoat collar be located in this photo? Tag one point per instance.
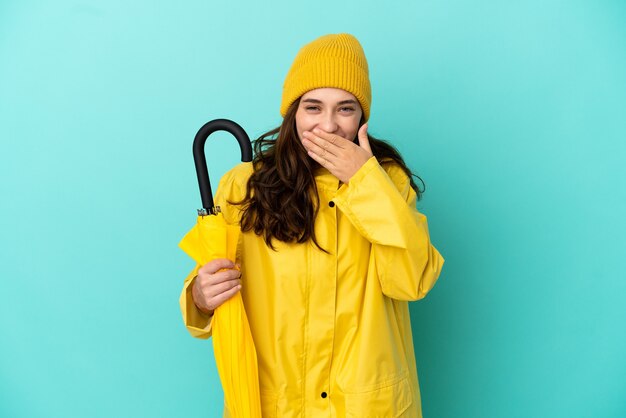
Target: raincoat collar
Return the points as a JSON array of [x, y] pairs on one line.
[[326, 180]]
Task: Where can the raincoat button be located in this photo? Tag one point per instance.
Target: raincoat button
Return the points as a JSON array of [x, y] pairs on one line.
[[331, 204], [324, 394]]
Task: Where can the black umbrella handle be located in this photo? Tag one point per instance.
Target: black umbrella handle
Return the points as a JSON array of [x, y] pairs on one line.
[[200, 159]]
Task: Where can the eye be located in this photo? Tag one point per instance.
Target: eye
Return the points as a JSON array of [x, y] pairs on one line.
[[312, 108], [346, 109]]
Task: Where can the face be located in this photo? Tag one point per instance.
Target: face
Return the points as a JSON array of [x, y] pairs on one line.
[[332, 110]]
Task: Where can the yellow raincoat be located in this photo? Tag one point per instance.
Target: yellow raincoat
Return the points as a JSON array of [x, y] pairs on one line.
[[332, 331]]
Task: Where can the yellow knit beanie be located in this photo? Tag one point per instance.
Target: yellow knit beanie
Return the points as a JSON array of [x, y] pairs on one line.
[[329, 61]]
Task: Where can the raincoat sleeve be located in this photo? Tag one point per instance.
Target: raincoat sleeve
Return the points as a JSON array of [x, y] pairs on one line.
[[197, 322], [382, 207]]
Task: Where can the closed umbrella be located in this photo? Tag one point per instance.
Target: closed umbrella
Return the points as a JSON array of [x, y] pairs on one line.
[[210, 238]]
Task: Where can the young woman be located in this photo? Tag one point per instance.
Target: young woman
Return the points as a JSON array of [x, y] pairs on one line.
[[331, 251]]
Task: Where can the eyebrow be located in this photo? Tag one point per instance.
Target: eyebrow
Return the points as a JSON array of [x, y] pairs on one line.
[[349, 101]]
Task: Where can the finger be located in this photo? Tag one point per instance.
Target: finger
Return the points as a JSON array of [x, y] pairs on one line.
[[219, 277], [323, 161], [334, 139], [223, 297], [220, 288], [322, 143], [314, 149], [216, 265], [364, 141]]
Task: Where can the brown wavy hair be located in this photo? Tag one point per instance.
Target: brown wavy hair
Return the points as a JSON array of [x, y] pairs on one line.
[[281, 200]]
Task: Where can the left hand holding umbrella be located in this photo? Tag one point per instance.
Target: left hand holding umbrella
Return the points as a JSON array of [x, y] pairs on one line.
[[217, 281]]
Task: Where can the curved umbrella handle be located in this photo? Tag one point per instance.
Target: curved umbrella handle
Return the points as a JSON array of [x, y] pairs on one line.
[[200, 160]]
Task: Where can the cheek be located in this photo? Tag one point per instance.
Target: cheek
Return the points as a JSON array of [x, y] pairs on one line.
[[352, 128], [299, 130], [303, 124]]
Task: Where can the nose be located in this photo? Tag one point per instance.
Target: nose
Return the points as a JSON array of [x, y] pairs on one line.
[[327, 122]]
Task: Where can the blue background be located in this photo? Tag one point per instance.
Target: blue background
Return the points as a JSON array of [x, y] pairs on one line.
[[514, 114]]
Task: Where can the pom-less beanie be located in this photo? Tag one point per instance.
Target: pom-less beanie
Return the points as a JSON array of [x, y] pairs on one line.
[[335, 60]]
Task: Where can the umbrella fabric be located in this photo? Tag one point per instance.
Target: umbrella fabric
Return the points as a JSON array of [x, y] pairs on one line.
[[235, 354]]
